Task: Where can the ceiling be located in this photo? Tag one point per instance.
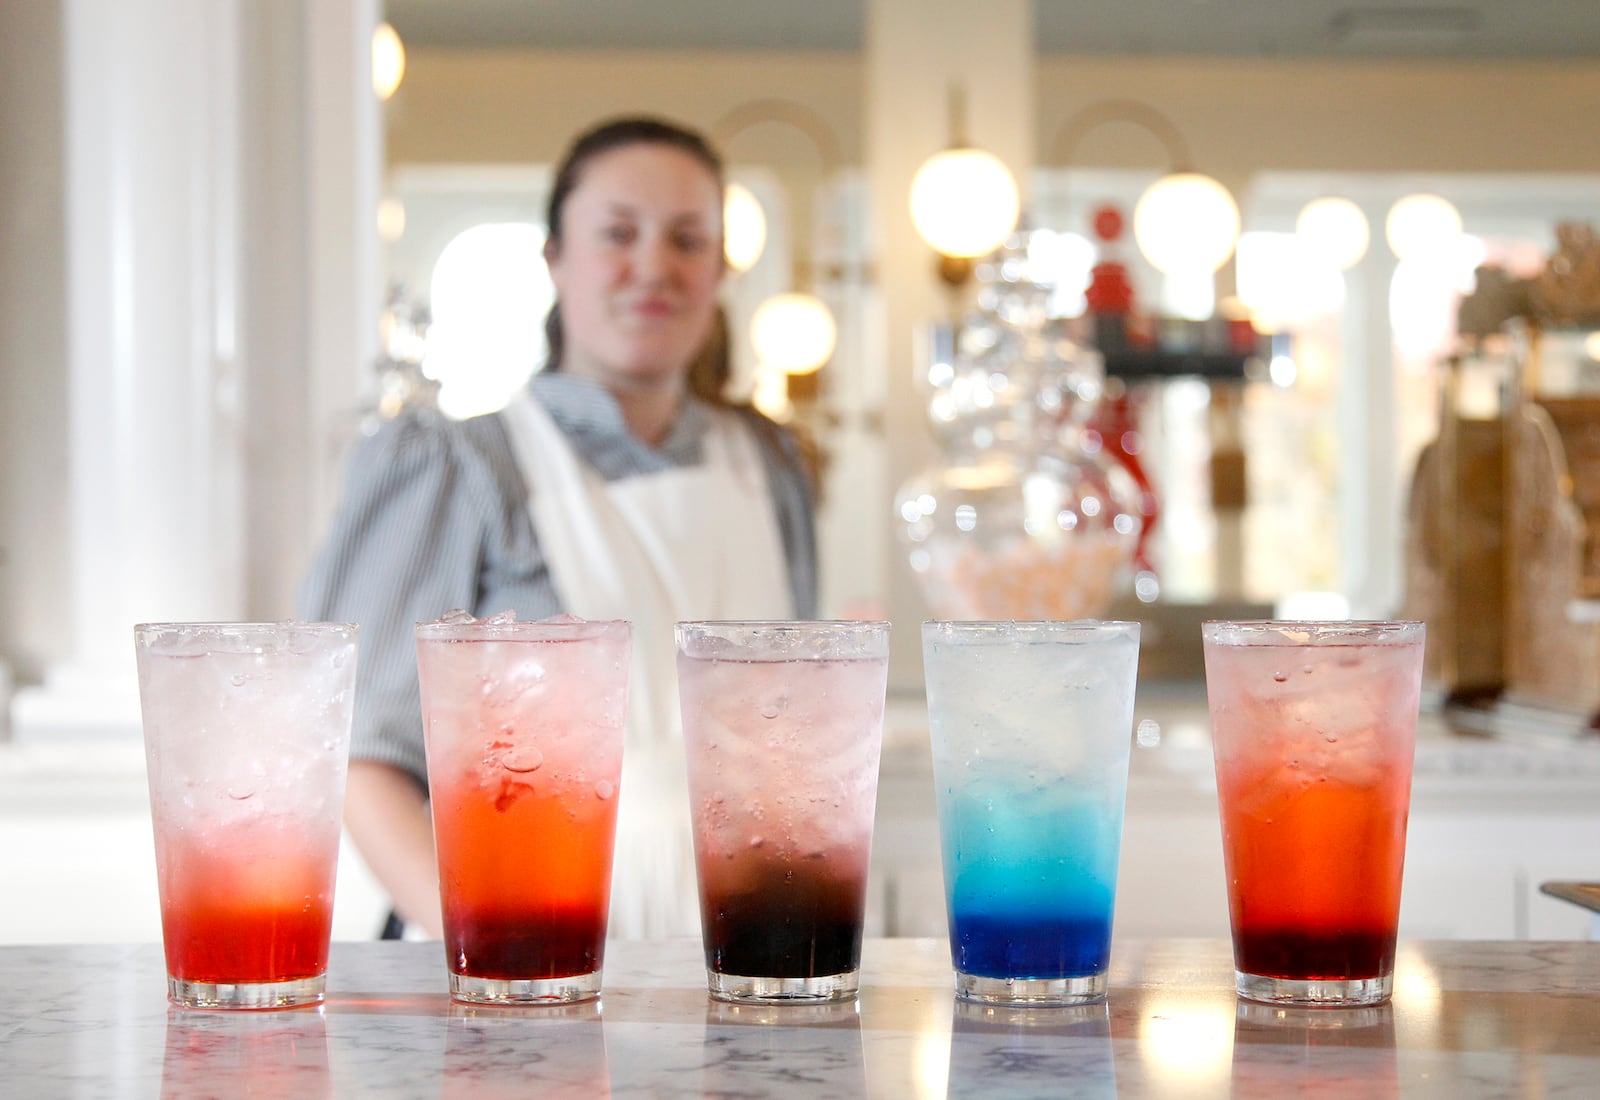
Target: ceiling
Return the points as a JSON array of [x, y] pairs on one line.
[[1505, 29]]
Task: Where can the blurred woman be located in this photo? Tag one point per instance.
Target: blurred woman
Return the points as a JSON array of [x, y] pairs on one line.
[[620, 484]]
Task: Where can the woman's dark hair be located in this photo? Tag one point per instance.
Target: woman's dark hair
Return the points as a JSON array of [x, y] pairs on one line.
[[711, 369]]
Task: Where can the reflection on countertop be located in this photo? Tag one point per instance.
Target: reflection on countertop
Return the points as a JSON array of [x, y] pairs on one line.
[[1468, 1020]]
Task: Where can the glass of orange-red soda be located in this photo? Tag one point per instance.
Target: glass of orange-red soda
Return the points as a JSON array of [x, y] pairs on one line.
[[247, 738], [523, 726], [1313, 734]]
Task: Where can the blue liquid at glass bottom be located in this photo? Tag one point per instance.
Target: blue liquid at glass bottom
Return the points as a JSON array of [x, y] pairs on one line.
[[1016, 946], [1030, 894]]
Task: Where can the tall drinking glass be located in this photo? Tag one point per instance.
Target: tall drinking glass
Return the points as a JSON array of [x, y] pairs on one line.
[[1031, 724], [247, 737], [1313, 732], [782, 723], [523, 725]]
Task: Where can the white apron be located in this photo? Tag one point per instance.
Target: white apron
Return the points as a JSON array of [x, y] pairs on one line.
[[697, 542]]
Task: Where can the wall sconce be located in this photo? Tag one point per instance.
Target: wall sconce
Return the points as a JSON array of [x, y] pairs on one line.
[[1185, 221], [794, 333], [388, 61], [964, 200]]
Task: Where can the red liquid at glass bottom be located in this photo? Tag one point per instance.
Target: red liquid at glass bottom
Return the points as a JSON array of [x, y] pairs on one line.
[[244, 916]]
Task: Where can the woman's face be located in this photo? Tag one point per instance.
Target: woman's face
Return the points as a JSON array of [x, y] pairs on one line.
[[637, 267]]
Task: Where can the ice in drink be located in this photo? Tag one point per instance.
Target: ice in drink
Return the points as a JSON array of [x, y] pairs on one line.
[[1314, 730], [247, 735], [1031, 725], [523, 727], [782, 724]]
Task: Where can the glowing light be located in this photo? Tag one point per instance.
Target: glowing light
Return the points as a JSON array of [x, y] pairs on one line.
[[793, 333], [388, 61], [931, 1065], [1313, 606], [744, 227], [1063, 261], [1420, 226], [1189, 293], [964, 202], [1186, 222], [771, 393], [1283, 282], [1336, 230], [391, 219], [1415, 984], [1187, 1045], [1422, 303], [481, 347]]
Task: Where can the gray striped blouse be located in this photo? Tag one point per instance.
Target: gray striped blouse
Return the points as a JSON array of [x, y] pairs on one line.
[[434, 516]]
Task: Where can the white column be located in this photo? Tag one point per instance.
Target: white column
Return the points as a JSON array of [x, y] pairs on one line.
[[343, 275], [161, 383], [915, 50], [1369, 495], [311, 293], [153, 452]]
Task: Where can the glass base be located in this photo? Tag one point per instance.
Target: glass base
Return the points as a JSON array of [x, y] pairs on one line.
[[524, 991], [1331, 993], [780, 991], [1043, 992], [247, 995]]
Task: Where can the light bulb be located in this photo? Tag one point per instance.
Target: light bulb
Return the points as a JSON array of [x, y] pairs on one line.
[[1420, 226], [964, 202], [1186, 222], [744, 227], [793, 333], [1334, 229], [388, 60]]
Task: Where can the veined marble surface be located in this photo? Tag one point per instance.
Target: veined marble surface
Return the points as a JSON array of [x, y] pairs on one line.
[[1467, 1020]]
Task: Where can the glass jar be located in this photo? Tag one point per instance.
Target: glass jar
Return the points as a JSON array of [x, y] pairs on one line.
[[1016, 518]]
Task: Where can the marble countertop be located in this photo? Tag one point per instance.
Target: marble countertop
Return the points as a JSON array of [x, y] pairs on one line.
[[1467, 1020]]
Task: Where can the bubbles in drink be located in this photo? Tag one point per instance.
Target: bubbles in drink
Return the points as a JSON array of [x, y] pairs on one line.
[[300, 640], [522, 759]]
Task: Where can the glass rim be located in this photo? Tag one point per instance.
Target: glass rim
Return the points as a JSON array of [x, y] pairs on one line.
[[1276, 631], [781, 639], [223, 628], [1079, 624], [997, 631], [797, 624], [523, 630]]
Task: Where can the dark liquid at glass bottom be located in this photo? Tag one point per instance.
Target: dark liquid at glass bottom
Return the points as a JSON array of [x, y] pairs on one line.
[[513, 947], [805, 926], [1012, 947], [1311, 956]]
